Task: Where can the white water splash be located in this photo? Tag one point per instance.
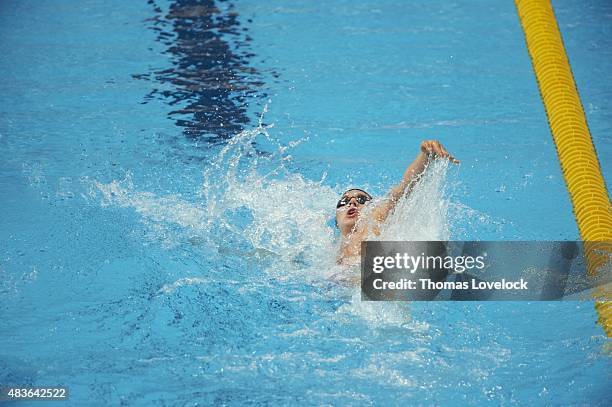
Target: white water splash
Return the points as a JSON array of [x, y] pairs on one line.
[[422, 214], [250, 195]]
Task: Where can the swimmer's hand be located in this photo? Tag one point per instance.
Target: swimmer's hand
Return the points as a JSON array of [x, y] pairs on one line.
[[433, 149]]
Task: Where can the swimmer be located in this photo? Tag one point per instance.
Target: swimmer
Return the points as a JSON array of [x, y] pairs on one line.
[[356, 223]]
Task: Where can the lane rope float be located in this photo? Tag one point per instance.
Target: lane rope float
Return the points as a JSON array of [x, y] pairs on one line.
[[575, 149]]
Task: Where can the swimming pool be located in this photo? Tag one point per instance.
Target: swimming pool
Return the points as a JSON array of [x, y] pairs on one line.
[[169, 171]]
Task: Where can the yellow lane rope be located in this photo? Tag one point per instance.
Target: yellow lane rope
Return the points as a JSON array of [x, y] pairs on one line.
[[569, 129]]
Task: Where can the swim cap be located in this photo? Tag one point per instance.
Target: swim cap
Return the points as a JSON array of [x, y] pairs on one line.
[[357, 189]]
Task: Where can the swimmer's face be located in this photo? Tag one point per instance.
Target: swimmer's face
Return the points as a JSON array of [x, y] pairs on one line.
[[349, 207]]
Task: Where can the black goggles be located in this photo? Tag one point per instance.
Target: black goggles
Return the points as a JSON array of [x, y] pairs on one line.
[[361, 199]]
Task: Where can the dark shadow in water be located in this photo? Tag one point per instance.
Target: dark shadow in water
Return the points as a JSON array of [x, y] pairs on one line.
[[210, 81]]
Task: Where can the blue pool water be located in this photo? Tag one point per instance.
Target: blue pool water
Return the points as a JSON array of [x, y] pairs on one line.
[[169, 170]]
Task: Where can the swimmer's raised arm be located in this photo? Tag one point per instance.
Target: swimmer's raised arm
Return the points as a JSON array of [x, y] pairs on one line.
[[353, 201], [430, 149]]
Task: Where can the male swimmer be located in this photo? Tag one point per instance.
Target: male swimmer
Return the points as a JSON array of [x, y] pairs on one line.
[[356, 223]]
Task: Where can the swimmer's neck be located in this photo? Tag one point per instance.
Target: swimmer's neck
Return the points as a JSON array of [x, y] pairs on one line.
[[350, 247]]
